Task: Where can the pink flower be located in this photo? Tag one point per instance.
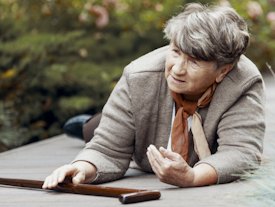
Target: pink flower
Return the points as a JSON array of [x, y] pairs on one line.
[[270, 16], [254, 9], [159, 7], [100, 12], [102, 16], [224, 3], [83, 17]]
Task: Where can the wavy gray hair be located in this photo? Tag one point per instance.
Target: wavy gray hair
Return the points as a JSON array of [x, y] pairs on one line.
[[209, 33]]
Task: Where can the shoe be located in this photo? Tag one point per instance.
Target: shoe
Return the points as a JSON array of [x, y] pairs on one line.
[[73, 127]]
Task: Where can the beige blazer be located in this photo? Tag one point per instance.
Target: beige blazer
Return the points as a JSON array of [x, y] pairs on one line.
[[139, 112]]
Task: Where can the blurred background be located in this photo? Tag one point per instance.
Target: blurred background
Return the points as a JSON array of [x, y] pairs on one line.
[[61, 58]]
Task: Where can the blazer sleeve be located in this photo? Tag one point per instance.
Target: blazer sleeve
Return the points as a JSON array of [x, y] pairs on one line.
[[112, 146], [240, 134]]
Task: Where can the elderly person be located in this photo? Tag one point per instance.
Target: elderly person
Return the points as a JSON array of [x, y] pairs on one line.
[[191, 112]]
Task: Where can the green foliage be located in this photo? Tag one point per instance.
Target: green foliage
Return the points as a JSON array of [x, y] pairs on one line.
[[75, 102], [10, 134], [262, 29]]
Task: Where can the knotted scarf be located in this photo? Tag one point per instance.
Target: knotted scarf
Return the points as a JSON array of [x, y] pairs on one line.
[[186, 108]]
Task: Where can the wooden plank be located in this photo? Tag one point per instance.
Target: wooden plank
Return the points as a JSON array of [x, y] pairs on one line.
[[38, 160]]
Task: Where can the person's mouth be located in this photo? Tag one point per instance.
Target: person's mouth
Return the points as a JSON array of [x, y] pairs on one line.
[[177, 81]]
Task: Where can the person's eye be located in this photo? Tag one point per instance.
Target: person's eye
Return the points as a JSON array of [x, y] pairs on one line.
[[176, 51], [194, 63]]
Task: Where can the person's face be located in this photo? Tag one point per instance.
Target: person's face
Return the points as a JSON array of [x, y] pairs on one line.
[[188, 76]]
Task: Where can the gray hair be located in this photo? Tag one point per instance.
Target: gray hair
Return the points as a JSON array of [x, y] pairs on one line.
[[209, 33]]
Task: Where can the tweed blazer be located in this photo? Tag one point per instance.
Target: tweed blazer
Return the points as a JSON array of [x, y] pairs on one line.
[[139, 112]]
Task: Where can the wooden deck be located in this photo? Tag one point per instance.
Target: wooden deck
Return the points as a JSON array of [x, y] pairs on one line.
[[36, 161]]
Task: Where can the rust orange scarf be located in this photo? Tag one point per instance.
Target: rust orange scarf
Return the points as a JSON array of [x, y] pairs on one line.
[[186, 108]]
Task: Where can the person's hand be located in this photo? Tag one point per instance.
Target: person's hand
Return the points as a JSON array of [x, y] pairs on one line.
[[174, 171], [80, 172]]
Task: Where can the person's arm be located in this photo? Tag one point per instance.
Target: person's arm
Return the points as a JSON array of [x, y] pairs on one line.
[[240, 133], [112, 146], [107, 156], [176, 171]]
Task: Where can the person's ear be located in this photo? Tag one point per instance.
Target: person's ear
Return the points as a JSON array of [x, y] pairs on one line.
[[222, 72]]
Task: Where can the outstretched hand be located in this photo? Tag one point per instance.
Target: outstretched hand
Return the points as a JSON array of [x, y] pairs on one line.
[[80, 172], [176, 171]]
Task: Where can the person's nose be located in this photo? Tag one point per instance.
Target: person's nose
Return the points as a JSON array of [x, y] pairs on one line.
[[180, 66]]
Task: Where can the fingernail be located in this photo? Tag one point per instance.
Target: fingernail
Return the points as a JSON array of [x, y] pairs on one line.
[[60, 179]]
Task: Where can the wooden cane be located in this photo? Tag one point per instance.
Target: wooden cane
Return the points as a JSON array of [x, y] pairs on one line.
[[125, 195]]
